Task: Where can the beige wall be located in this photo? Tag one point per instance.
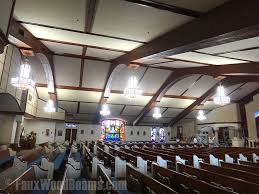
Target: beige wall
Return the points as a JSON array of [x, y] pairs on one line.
[[251, 108], [189, 128], [7, 128]]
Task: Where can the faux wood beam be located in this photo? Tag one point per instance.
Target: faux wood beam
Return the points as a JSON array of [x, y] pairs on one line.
[[167, 7], [21, 33], [240, 22], [226, 82]]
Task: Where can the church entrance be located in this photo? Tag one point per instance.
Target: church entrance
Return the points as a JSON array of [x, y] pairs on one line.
[[70, 135]]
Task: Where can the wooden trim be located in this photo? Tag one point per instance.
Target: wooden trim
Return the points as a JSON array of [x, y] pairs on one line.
[[239, 87], [166, 7], [122, 110], [238, 50], [213, 123], [242, 110], [80, 57], [189, 61], [82, 45], [191, 85], [78, 31], [180, 40]]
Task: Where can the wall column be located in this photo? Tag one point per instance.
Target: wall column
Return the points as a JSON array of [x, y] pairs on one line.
[[19, 121]]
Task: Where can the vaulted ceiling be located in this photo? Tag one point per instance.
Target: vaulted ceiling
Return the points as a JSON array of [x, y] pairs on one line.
[[88, 38]]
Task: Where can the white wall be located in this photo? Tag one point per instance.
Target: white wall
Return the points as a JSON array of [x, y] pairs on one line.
[[39, 127], [7, 128], [87, 128]]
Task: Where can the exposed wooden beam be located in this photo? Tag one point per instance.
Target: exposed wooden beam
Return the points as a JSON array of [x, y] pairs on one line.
[[226, 82], [240, 22], [238, 88], [21, 33], [80, 57], [199, 77], [167, 7]]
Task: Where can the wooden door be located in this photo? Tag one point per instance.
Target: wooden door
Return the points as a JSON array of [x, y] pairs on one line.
[[221, 135], [68, 135], [179, 131], [74, 133]]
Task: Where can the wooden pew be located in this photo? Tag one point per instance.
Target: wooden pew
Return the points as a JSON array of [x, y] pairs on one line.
[[104, 184], [140, 183], [185, 184], [5, 157], [253, 178], [248, 163], [251, 169], [124, 156], [239, 185]]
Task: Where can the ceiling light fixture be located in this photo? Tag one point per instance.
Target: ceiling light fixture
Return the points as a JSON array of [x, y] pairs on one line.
[[23, 82], [221, 98], [201, 115], [157, 113], [133, 91], [105, 110], [50, 106]]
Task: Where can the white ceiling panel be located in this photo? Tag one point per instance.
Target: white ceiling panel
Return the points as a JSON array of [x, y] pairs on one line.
[[153, 79], [103, 54], [245, 90], [175, 102], [88, 107], [76, 95], [43, 93], [132, 110], [230, 89], [179, 87], [67, 70], [197, 5], [152, 120], [178, 64], [201, 86], [204, 58], [232, 46], [193, 114], [120, 98], [251, 55], [172, 112], [63, 48], [151, 61], [81, 38], [150, 113], [129, 20], [70, 107], [95, 74], [120, 80], [115, 109], [61, 13], [208, 105]]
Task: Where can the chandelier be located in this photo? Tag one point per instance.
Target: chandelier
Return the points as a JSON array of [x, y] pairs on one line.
[[105, 110], [157, 113], [132, 91], [221, 98], [23, 82], [201, 115], [50, 106]]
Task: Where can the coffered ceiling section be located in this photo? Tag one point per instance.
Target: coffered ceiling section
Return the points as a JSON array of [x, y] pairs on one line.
[[129, 20]]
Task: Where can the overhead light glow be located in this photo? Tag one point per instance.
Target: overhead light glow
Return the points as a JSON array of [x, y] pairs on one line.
[[23, 82], [132, 91], [221, 98], [201, 115], [157, 113], [105, 110], [50, 106]]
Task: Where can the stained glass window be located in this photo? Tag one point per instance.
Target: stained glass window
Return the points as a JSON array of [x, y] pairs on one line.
[[153, 134], [162, 134], [113, 130]]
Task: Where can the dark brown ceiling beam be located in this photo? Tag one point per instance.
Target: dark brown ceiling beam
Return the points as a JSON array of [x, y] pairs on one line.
[[226, 82], [166, 7], [21, 33], [240, 22], [249, 97]]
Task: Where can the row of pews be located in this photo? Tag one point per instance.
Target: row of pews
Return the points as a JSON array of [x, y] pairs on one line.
[[160, 168]]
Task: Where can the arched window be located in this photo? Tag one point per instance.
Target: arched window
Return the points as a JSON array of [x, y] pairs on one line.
[[162, 134], [153, 134]]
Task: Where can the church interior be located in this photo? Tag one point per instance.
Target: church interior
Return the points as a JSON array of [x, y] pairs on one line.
[[129, 96]]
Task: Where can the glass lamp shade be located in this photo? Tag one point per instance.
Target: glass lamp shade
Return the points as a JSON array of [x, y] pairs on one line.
[[50, 106], [105, 110], [132, 91], [157, 114], [221, 98]]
